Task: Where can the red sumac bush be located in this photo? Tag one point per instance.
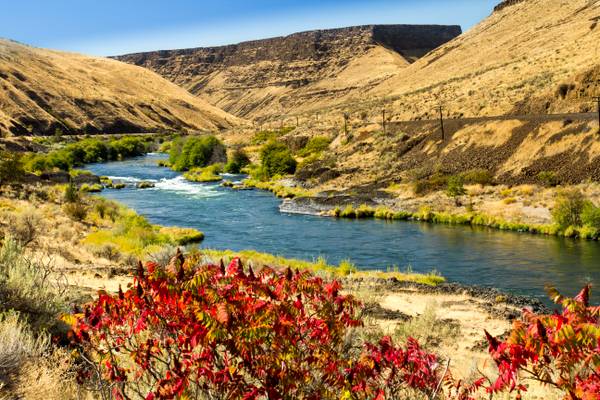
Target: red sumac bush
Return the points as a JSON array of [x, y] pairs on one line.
[[193, 330], [559, 350]]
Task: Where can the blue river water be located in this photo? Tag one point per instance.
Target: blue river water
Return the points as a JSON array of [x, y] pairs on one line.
[[238, 220]]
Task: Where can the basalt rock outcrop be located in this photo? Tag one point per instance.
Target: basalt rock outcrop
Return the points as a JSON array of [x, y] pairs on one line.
[[507, 3], [272, 76]]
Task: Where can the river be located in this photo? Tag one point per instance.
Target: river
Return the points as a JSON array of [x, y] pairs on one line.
[[238, 220]]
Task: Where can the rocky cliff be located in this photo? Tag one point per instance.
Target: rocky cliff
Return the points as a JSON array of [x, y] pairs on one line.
[[507, 3], [265, 77]]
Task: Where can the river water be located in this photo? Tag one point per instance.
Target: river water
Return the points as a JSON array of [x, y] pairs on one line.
[[238, 220]]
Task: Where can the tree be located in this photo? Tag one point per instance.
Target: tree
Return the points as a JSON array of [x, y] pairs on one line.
[[277, 159], [568, 208], [456, 188], [239, 159]]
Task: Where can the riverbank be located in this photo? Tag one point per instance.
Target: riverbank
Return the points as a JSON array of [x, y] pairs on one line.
[[523, 209]]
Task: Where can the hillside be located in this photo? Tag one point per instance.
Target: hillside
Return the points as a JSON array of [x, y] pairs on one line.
[[529, 56], [42, 91], [302, 71]]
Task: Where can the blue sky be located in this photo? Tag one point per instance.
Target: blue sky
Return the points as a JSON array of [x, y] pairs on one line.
[[112, 27]]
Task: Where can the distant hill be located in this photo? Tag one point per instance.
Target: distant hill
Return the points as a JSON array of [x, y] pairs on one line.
[[42, 91], [305, 70]]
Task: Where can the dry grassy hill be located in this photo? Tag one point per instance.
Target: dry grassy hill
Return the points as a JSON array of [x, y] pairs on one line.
[[43, 90], [529, 56], [307, 70]]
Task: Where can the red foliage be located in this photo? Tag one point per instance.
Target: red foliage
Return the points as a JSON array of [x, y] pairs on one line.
[[191, 329], [560, 350]]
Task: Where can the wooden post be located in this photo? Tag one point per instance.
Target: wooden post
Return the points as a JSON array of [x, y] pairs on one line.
[[297, 121], [597, 99], [442, 122], [383, 120], [346, 117]]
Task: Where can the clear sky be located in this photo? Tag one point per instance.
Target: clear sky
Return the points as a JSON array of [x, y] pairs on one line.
[[112, 27]]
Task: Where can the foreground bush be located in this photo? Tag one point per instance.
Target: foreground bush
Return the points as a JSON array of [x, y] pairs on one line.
[[559, 350], [26, 286], [205, 331]]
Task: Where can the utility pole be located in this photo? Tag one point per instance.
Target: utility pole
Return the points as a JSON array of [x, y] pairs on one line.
[[597, 99], [383, 119], [441, 108]]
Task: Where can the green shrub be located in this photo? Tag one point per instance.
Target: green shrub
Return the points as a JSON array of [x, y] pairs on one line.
[[206, 174], [134, 235], [71, 194], [568, 208], [93, 188], [238, 160], [315, 145], [548, 179], [11, 167], [590, 215], [196, 152], [79, 172], [364, 211], [478, 176], [455, 187], [77, 211], [346, 267], [25, 286], [277, 159], [263, 137], [85, 151], [433, 183], [348, 212]]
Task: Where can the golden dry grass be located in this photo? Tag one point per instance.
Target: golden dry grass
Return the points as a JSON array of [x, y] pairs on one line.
[[52, 87]]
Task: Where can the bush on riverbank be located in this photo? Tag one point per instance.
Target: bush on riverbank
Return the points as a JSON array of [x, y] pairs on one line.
[[196, 152], [426, 214], [576, 216], [238, 160], [84, 152], [206, 174], [132, 234], [279, 190], [277, 159]]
